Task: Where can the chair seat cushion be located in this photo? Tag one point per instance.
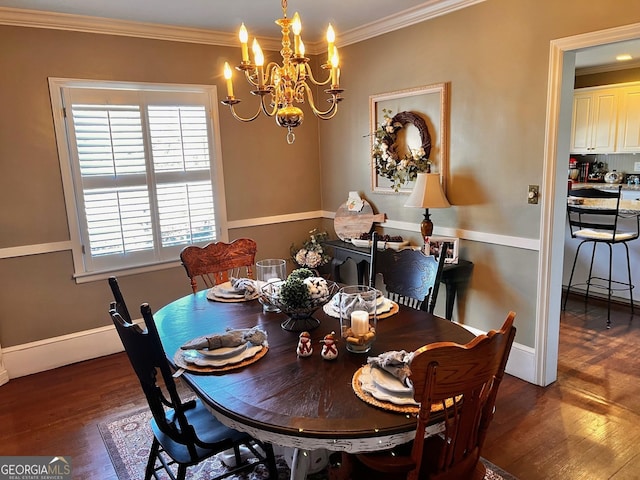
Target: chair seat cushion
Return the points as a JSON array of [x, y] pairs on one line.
[[590, 234]]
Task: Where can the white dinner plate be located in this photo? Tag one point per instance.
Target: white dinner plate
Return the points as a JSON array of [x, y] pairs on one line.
[[192, 356], [385, 381], [384, 305], [223, 352], [368, 385]]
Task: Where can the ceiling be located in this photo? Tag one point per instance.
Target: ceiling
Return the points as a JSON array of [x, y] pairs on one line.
[[353, 20], [258, 15]]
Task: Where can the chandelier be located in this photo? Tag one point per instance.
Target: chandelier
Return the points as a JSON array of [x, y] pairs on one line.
[[280, 87]]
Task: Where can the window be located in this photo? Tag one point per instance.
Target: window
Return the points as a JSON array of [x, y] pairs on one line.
[[142, 171]]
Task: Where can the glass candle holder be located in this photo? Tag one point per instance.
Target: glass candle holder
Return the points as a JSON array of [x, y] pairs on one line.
[[358, 317], [270, 270]]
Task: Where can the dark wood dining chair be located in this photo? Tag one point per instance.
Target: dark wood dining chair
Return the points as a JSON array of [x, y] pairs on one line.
[[600, 227], [463, 380], [411, 278], [216, 262], [120, 304], [186, 432]]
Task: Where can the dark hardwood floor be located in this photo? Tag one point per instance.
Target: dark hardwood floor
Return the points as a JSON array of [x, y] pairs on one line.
[[583, 426]]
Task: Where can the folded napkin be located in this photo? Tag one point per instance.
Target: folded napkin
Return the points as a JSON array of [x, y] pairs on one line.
[[232, 338], [396, 362], [245, 286]]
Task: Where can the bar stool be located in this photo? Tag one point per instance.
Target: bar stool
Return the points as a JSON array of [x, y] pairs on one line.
[[596, 222]]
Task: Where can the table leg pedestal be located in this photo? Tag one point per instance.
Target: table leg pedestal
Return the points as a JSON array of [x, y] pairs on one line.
[[303, 462]]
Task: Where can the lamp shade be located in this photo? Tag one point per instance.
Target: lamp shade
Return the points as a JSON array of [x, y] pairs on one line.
[[427, 192]]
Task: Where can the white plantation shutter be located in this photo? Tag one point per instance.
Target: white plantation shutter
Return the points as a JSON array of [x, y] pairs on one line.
[[141, 163]]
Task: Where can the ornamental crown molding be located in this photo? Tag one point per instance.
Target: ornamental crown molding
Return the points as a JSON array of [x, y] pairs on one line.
[[98, 25]]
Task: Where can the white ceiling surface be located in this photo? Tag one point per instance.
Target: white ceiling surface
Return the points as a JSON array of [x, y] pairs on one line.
[[350, 18], [258, 15]]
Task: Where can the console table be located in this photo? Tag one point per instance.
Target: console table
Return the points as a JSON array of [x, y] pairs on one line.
[[453, 274]]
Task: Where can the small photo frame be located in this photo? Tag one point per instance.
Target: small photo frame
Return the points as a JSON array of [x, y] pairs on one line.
[[435, 244]]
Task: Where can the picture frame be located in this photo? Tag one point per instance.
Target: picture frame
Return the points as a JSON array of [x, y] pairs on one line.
[[429, 102], [434, 244]]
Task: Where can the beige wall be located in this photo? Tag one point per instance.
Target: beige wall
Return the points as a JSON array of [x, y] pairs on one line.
[[495, 56], [263, 175]]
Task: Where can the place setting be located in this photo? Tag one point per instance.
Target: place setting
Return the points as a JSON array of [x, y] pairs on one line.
[[218, 352], [384, 382], [235, 290], [384, 306]]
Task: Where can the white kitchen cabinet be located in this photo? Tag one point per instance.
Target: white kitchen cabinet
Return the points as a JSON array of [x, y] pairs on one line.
[[593, 128], [629, 120]]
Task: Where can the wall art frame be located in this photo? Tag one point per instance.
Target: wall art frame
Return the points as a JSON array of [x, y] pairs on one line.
[[434, 244], [431, 103]]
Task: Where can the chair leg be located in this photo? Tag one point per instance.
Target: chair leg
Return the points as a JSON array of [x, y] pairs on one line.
[[182, 472], [629, 272], [573, 268], [609, 291], [151, 463], [271, 461], [593, 256]]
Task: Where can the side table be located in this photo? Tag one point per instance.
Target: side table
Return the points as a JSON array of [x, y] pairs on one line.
[[453, 274]]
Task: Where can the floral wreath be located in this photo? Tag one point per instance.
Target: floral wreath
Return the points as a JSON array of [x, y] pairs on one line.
[[386, 157]]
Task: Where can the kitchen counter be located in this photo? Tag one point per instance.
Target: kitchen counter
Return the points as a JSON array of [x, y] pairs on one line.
[[626, 207], [606, 186]]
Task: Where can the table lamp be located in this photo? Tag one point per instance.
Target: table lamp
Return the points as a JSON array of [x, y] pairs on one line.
[[427, 194]]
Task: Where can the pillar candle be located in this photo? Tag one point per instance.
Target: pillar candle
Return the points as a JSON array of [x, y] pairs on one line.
[[360, 322]]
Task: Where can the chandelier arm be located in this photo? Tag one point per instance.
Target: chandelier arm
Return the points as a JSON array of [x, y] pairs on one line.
[[324, 115], [250, 75], [238, 117], [263, 107], [313, 79]]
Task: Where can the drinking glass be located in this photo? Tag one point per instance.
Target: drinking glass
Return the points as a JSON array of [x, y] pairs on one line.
[[358, 317], [270, 270]]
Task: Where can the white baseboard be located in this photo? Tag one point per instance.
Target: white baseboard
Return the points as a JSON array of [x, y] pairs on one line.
[[34, 357], [521, 363]]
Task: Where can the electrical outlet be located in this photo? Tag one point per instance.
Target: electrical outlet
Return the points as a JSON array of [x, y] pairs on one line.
[[532, 194], [636, 166]]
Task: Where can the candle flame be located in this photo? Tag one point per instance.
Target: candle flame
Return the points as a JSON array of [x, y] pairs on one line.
[[244, 35], [297, 24], [257, 53], [227, 71]]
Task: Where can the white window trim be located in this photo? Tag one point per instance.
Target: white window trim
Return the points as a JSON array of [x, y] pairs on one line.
[[55, 89]]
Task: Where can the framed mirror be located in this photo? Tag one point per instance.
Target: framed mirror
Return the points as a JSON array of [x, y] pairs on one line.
[[426, 106]]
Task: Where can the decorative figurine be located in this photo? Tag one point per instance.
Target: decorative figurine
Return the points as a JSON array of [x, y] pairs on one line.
[[329, 349], [304, 345]]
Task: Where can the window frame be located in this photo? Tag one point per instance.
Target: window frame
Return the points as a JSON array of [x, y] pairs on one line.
[[57, 87]]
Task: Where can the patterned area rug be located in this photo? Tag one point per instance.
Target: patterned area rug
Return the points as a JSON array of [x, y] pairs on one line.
[[128, 439]]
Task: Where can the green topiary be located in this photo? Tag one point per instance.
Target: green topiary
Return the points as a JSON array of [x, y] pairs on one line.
[[302, 273], [294, 293]]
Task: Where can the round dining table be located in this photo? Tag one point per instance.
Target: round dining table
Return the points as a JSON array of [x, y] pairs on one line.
[[305, 403]]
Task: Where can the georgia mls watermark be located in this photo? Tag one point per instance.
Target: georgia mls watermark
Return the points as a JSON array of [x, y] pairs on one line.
[[35, 468]]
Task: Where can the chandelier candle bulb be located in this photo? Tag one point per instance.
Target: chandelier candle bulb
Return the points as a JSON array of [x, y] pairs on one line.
[[331, 38], [227, 75], [297, 28], [360, 322], [244, 38], [258, 59], [335, 61]]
